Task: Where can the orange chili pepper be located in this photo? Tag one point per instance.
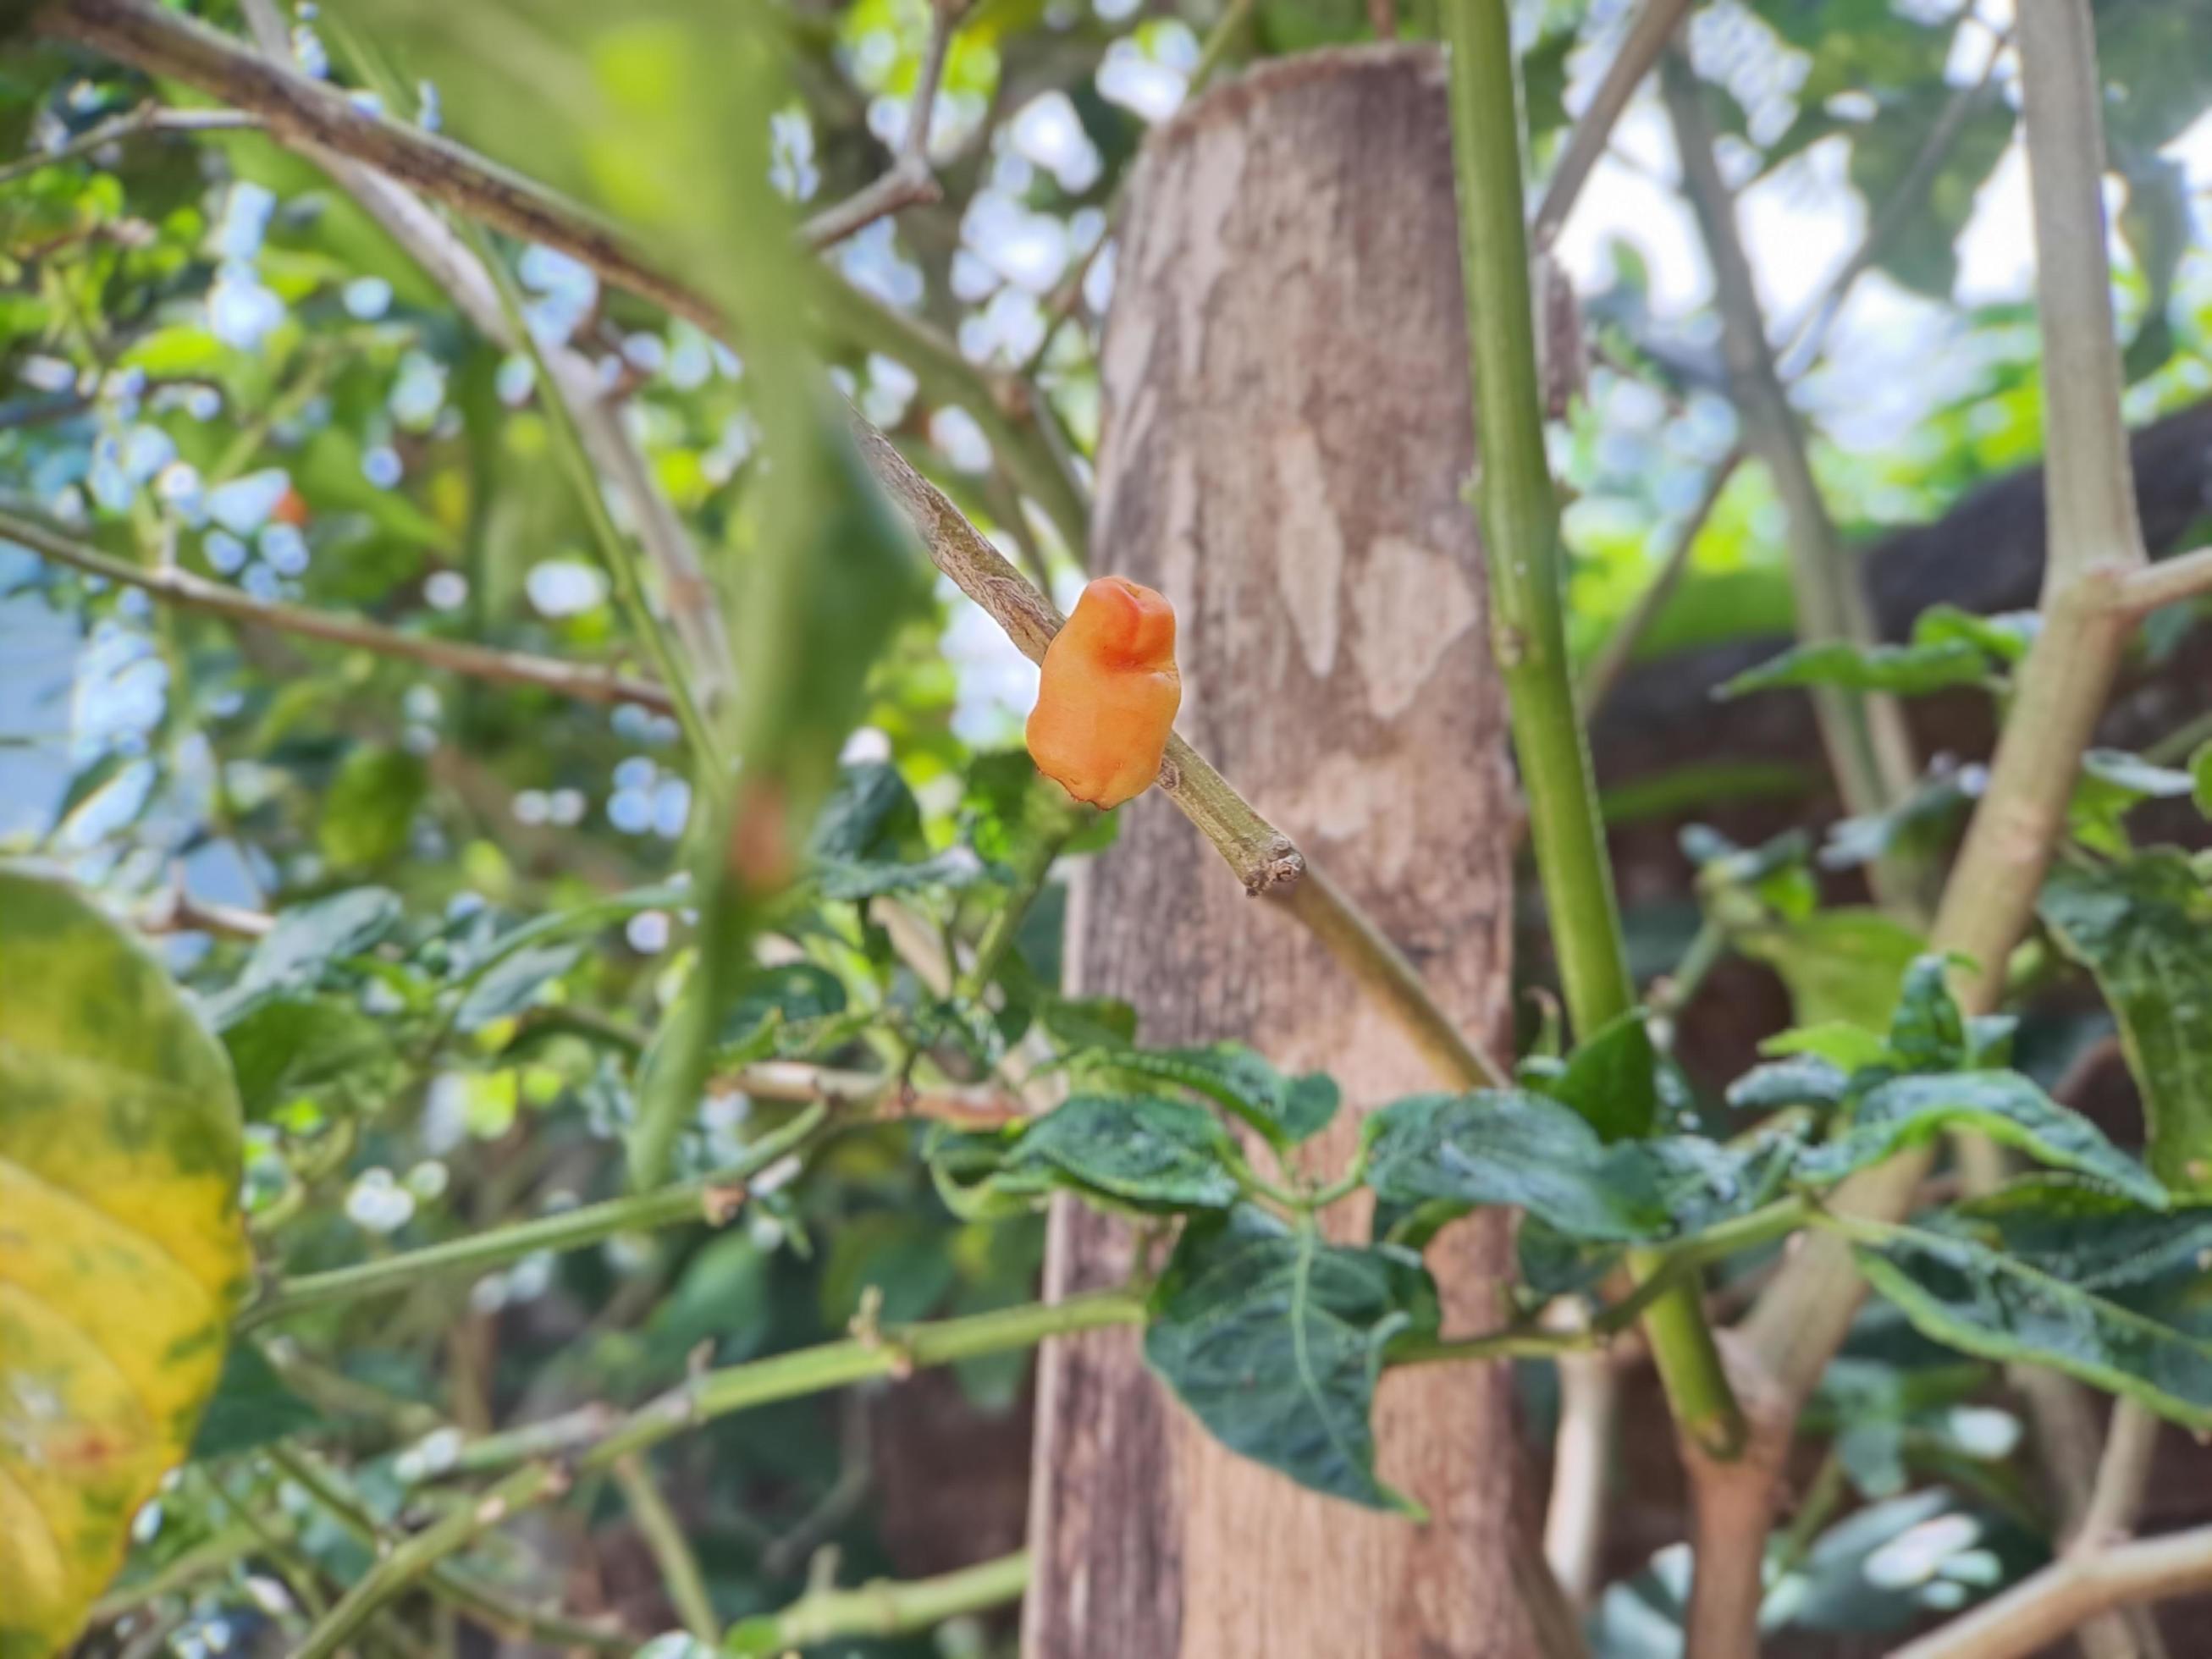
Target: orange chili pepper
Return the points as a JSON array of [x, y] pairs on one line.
[[1107, 697]]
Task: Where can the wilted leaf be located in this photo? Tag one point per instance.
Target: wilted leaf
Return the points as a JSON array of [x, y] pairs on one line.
[[121, 1257], [1274, 1339]]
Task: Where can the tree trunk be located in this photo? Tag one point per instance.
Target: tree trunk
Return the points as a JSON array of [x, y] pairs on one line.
[[1287, 431]]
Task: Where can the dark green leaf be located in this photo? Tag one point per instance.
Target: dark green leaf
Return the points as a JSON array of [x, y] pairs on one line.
[[253, 1407], [370, 807], [1501, 1146], [870, 816], [1609, 1080], [1285, 1109], [1920, 818], [1135, 1147], [316, 1047], [2140, 927], [303, 944], [1905, 670], [1966, 1295], [1806, 1081], [1090, 1022], [1927, 1033], [953, 868], [1910, 1111], [1274, 1339], [771, 999], [512, 984]]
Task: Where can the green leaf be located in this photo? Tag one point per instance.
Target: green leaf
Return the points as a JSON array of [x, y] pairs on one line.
[[1964, 1294], [1505, 1146], [1610, 1079], [1848, 1047], [304, 944], [1090, 1022], [2200, 772], [370, 808], [121, 1254], [772, 999], [2005, 637], [1139, 1148], [870, 816], [1274, 1339], [251, 1406], [319, 1049], [512, 984], [954, 868], [1840, 965], [1805, 1080], [2111, 785], [1927, 1032], [1910, 1111], [1284, 1110], [2140, 928], [1925, 813], [1904, 670]]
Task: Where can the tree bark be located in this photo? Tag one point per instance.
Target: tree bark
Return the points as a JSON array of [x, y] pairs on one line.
[[1287, 430]]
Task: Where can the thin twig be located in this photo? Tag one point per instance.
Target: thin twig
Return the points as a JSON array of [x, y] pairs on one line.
[[145, 119], [1620, 648], [1646, 37], [671, 1552], [180, 587], [911, 180], [2183, 576], [499, 1613], [1804, 341], [2122, 1476], [2040, 1609], [312, 116], [894, 1351], [884, 1608], [711, 1198], [1866, 743], [1582, 1468]]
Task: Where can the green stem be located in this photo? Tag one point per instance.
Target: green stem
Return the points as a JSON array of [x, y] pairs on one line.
[[671, 1552], [884, 1609], [1521, 535], [569, 1230], [615, 550], [711, 1395], [502, 1614]]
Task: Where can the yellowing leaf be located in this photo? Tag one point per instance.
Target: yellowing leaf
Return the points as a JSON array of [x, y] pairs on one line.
[[121, 1254]]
